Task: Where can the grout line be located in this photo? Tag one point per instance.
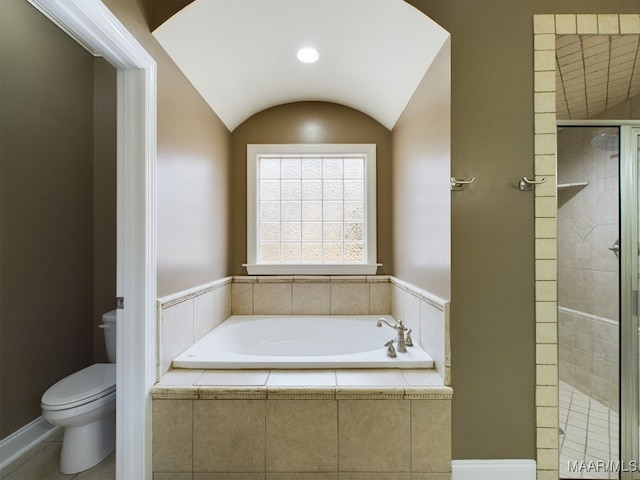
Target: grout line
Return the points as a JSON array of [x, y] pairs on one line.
[[574, 399]]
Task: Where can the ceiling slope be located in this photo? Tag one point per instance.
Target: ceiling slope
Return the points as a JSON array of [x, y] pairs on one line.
[[241, 54]]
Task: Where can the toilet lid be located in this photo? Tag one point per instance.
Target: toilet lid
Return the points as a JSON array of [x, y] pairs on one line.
[[82, 387]]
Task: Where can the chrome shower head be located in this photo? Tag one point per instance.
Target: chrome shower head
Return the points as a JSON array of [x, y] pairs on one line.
[[606, 141]]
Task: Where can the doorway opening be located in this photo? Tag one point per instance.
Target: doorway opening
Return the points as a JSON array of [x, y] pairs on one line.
[[92, 24]]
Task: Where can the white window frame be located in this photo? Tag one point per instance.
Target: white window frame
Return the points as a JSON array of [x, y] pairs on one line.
[[368, 267]]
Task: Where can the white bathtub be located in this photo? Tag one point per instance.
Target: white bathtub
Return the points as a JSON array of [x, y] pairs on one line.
[[310, 341]]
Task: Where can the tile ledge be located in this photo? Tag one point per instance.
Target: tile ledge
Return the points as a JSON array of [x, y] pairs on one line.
[[373, 391]]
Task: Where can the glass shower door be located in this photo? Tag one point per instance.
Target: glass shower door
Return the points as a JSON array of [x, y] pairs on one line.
[[589, 259]]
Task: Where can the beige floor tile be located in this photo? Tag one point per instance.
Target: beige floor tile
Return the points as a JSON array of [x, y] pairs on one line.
[[229, 436], [105, 470], [302, 436], [42, 466], [43, 460], [22, 459]]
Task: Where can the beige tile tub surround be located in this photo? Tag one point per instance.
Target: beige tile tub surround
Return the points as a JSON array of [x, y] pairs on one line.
[[187, 316], [311, 295], [428, 317], [383, 428], [199, 415], [545, 29]]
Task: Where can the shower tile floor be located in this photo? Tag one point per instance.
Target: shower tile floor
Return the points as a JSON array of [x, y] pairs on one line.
[[588, 433], [41, 463]]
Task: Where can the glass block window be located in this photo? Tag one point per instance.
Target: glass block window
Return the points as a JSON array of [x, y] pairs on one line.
[[311, 208]]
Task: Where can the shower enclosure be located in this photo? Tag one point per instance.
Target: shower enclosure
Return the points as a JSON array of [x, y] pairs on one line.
[[597, 301]]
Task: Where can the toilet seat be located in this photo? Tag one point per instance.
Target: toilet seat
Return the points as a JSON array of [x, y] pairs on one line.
[[82, 387]]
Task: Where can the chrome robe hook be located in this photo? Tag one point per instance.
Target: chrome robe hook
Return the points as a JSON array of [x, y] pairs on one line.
[[460, 184], [526, 184]]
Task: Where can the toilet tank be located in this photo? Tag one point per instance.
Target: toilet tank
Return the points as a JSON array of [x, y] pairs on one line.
[[109, 328]]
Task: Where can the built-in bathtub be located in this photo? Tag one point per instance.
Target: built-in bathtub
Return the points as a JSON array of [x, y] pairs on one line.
[[300, 342], [202, 416]]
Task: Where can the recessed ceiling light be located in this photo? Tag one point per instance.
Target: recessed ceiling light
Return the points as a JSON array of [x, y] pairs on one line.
[[308, 55]]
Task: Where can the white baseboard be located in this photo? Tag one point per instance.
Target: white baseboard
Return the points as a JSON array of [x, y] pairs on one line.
[[22, 440], [493, 470]]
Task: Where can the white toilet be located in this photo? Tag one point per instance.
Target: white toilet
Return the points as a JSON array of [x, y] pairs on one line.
[[84, 403]]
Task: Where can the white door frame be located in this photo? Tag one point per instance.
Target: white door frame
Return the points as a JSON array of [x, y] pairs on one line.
[[92, 24]]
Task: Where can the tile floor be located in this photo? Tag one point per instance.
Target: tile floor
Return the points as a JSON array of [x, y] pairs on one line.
[[589, 433], [41, 463]]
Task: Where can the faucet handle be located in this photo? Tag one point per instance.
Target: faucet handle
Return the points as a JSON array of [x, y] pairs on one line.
[[408, 341], [391, 352]]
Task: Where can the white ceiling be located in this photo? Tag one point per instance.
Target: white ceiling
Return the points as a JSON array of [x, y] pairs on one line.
[[595, 73], [241, 54]]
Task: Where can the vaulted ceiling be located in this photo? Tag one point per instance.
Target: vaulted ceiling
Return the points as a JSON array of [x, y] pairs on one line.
[[241, 54], [595, 73]]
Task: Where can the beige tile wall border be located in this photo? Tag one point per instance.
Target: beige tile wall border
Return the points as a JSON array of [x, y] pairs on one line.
[[229, 392], [545, 29]]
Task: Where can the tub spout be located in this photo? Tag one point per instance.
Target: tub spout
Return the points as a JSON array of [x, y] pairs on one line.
[[380, 320], [401, 329]]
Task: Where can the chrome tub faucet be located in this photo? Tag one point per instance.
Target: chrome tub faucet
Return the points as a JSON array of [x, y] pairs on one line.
[[404, 335]]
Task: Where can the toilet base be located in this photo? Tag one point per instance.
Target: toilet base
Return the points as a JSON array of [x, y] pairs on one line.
[[87, 445]]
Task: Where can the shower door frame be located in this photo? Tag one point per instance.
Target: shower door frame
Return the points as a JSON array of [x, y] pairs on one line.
[[629, 365]]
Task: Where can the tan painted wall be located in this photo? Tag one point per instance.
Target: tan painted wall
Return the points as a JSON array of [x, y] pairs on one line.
[[421, 155], [492, 311], [104, 198], [45, 212], [492, 278], [49, 234], [193, 156], [309, 122]]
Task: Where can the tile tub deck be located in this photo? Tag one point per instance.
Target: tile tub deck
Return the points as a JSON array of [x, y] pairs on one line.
[[316, 424]]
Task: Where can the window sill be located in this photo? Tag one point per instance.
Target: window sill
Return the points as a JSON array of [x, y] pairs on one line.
[[312, 269]]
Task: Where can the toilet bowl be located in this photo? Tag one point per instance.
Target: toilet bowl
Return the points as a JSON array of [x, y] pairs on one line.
[[84, 404]]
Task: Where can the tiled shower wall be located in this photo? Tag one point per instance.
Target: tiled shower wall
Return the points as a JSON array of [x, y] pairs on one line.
[[588, 353], [186, 317], [588, 297]]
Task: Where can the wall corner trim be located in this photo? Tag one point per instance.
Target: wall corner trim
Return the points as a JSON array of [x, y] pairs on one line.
[[493, 469]]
